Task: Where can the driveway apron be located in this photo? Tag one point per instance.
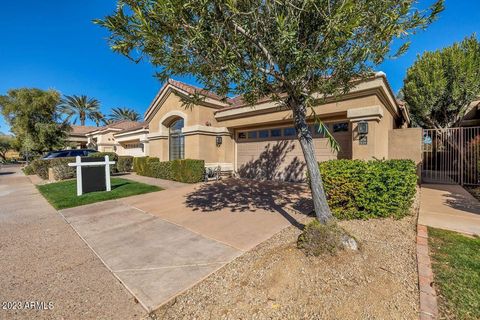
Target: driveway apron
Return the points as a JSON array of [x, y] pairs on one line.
[[153, 258]]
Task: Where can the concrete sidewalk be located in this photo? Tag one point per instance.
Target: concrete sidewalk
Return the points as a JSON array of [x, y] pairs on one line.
[[153, 258], [43, 260], [449, 207]]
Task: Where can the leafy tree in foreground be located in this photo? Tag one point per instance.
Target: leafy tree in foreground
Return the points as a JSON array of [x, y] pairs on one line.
[[124, 114], [295, 51], [441, 85], [81, 106], [33, 119]]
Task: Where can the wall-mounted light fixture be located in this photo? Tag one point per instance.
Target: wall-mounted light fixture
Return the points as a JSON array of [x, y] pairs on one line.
[[218, 141], [363, 127]]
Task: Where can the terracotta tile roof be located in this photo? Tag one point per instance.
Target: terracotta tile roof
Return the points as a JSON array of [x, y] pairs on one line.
[[82, 130], [132, 126], [122, 126], [195, 90]]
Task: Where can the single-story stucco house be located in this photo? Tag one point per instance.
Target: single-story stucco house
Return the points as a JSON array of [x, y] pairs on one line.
[[259, 141]]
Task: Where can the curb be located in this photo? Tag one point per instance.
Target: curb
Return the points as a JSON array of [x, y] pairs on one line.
[[428, 296]]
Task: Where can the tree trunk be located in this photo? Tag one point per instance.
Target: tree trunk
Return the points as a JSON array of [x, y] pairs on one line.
[[322, 210]]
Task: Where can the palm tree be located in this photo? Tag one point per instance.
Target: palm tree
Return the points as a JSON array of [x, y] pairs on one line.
[[123, 113], [97, 117], [82, 106]]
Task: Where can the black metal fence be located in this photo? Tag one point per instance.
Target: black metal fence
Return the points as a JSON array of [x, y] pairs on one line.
[[451, 156]]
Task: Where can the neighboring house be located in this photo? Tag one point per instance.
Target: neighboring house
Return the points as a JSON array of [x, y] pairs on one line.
[[123, 137], [77, 138], [259, 141]]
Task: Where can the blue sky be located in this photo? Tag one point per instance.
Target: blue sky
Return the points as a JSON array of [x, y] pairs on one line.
[[54, 44]]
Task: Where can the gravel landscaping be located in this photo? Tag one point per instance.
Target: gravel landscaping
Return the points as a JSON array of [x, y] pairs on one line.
[[277, 281]]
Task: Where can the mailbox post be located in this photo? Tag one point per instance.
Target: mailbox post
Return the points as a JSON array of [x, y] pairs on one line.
[[92, 177]]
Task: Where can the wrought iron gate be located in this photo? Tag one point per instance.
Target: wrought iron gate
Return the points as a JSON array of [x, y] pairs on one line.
[[451, 156]]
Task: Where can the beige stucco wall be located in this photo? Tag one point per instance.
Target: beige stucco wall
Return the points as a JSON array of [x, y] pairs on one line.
[[198, 144], [194, 115], [406, 144]]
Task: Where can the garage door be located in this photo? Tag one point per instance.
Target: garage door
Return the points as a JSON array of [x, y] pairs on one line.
[[275, 154]]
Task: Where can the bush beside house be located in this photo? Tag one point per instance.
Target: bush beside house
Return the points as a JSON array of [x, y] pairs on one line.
[[359, 189], [61, 170], [125, 163], [186, 170]]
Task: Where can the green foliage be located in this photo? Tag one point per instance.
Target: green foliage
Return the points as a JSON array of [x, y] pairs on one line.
[[6, 144], [139, 164], [81, 107], [441, 85], [63, 194], [119, 114], [359, 189], [317, 238], [161, 170], [60, 167], [34, 120], [111, 155], [456, 265], [124, 163], [186, 170], [265, 47], [40, 167], [28, 170]]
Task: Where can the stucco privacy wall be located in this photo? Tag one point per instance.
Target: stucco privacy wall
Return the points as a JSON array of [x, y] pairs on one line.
[[406, 144]]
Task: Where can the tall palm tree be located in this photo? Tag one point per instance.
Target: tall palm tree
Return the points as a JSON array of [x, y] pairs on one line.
[[123, 113], [97, 117], [81, 106]]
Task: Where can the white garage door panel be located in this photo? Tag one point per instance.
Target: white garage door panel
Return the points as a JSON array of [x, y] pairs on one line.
[[283, 159]]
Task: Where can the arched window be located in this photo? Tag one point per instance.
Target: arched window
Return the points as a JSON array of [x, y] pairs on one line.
[[176, 140]]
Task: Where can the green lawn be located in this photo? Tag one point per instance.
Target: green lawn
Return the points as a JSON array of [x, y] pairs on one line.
[[456, 266], [63, 194]]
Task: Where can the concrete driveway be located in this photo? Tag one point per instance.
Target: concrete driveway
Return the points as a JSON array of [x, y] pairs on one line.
[[162, 243]]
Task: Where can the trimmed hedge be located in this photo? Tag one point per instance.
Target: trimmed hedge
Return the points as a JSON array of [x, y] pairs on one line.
[[187, 170], [40, 167], [111, 155], [28, 170], [124, 163], [359, 189]]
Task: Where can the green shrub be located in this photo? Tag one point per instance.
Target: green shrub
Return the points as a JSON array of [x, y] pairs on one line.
[[139, 164], [28, 170], [160, 170], [112, 156], [40, 167], [359, 189], [60, 168], [124, 163], [187, 170], [148, 166], [317, 239]]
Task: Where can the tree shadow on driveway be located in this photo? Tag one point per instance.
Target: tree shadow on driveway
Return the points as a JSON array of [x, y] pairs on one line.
[[244, 195]]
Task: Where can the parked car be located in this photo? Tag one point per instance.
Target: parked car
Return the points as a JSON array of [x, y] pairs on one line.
[[69, 153]]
